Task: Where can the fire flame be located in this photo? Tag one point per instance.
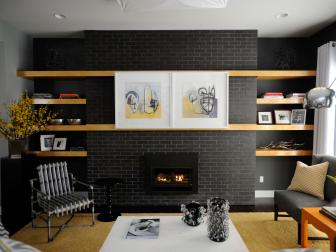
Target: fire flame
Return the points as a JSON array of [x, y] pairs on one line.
[[170, 178], [179, 178]]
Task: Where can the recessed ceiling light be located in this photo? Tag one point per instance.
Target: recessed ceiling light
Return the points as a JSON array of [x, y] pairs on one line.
[[59, 16], [282, 15]]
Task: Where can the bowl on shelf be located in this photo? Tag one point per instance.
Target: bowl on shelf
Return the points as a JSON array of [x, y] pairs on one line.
[[56, 121], [74, 121]]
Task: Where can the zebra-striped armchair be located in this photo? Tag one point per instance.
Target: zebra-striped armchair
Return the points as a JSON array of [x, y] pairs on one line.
[[56, 195]]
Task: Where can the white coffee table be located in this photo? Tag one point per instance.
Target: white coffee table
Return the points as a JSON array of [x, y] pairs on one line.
[[174, 236]]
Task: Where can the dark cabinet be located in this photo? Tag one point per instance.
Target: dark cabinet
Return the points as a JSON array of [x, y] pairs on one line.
[[15, 193]]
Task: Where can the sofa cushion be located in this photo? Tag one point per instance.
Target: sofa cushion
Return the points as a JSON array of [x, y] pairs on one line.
[[309, 179], [292, 202], [329, 186]]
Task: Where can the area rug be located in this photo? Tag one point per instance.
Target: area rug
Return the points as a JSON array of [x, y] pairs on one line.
[[258, 230]]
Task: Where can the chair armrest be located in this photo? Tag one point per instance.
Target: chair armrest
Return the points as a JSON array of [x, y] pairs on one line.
[[74, 181], [83, 183], [34, 189]]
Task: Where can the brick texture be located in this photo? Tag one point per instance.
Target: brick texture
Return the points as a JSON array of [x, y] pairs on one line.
[[226, 164], [227, 159], [169, 50]]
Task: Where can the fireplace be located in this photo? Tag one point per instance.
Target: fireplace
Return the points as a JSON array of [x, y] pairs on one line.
[[171, 172]]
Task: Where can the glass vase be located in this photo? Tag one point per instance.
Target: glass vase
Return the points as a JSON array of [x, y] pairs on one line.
[[17, 147], [218, 219]]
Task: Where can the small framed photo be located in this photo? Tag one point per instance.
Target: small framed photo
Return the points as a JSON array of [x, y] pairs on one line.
[[282, 116], [46, 142], [265, 118], [59, 143], [298, 116]]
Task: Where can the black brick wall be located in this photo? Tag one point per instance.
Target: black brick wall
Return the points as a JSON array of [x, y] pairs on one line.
[[226, 164], [227, 159], [171, 50]]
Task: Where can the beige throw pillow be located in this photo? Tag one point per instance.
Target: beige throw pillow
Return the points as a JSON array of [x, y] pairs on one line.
[[309, 179]]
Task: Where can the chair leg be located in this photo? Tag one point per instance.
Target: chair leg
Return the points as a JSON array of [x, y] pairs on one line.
[[276, 212], [299, 234], [93, 217], [49, 228]]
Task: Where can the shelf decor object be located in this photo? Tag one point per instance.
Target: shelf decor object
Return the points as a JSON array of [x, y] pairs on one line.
[[23, 122], [218, 219], [298, 116], [265, 118]]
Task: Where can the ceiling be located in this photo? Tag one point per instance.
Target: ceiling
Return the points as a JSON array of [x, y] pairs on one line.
[[36, 17]]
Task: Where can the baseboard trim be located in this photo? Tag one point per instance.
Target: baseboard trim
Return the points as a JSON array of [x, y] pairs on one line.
[[264, 193]]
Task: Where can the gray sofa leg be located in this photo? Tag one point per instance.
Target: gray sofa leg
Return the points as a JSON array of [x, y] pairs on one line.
[[299, 233], [276, 212]]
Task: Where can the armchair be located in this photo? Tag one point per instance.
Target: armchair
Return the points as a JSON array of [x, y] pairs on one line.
[[56, 195]]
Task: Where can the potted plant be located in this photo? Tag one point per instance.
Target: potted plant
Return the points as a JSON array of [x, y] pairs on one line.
[[23, 121]]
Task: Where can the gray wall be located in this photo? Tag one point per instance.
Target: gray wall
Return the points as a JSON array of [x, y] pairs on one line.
[[15, 54]]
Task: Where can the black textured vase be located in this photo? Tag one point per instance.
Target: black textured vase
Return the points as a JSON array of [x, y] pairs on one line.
[[193, 213], [218, 219]]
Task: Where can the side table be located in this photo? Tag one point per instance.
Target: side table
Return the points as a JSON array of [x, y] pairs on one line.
[[109, 184], [321, 222]]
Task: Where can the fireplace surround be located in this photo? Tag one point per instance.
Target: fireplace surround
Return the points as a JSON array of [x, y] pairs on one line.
[[171, 172]]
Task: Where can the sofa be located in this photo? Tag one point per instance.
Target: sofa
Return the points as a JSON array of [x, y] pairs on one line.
[[292, 202]]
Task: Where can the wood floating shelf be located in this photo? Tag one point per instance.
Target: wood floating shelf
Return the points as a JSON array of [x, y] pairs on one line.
[[232, 127], [280, 101], [259, 74], [58, 153], [282, 153], [65, 74], [59, 101]]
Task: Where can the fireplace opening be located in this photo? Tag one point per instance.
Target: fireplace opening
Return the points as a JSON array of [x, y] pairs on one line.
[[171, 172]]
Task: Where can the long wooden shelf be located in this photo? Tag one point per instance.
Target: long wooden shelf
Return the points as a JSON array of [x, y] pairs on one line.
[[282, 153], [58, 153], [65, 74], [280, 101], [59, 101], [260, 74], [232, 127]]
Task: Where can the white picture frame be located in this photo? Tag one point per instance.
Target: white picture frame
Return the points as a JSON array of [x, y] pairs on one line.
[[46, 142], [298, 116], [59, 143], [200, 99], [265, 118], [282, 116], [142, 99]]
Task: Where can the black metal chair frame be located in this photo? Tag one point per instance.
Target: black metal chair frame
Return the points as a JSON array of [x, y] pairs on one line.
[[46, 205]]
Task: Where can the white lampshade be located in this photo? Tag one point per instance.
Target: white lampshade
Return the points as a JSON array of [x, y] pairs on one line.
[[148, 5]]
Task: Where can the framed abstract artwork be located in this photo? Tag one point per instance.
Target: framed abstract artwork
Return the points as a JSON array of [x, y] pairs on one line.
[[199, 99], [142, 99]]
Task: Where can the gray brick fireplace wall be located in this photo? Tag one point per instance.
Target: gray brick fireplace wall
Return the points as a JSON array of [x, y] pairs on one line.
[[227, 162]]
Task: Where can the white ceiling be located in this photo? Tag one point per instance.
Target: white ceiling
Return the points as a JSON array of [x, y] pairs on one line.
[[36, 17]]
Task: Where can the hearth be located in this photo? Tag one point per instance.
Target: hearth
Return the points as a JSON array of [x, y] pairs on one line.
[[171, 172]]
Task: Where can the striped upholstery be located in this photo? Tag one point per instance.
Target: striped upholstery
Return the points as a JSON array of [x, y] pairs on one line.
[[3, 232], [56, 184]]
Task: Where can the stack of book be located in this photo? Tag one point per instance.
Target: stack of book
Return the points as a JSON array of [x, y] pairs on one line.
[[42, 96], [273, 95], [329, 211], [68, 96], [296, 95]]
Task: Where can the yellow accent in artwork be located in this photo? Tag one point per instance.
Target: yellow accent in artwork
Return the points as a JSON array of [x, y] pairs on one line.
[[191, 110], [142, 115]]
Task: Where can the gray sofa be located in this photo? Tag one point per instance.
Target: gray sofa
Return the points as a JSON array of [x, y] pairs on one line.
[[292, 202]]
